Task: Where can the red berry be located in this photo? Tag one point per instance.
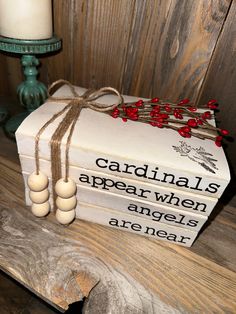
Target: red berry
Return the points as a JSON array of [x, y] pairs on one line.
[[218, 143], [164, 116], [139, 103], [219, 138], [211, 101], [167, 108], [153, 123], [199, 121], [159, 119], [156, 108], [159, 125], [224, 132], [115, 111], [179, 116], [192, 109], [132, 112], [186, 129], [183, 102], [154, 100], [192, 123], [207, 114], [182, 133], [124, 119], [212, 106]]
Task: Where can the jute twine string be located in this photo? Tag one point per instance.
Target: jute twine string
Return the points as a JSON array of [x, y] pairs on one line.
[[73, 108]]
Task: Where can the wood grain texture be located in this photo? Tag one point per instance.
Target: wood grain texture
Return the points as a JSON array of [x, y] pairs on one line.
[[60, 65], [220, 82], [3, 83], [117, 272], [94, 42], [171, 44], [145, 48], [102, 29], [10, 74]]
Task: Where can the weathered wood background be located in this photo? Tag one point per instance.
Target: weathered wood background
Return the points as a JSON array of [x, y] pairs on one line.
[[165, 48]]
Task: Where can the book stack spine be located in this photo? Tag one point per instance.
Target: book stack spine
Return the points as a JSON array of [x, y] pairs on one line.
[[165, 213], [130, 176]]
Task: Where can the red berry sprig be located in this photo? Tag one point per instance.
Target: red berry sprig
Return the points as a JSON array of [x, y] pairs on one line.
[[181, 117]]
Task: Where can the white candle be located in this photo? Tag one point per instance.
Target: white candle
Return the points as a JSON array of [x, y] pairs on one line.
[[26, 19]]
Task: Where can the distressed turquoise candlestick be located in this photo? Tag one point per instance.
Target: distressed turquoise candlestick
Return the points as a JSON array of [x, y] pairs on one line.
[[31, 92]]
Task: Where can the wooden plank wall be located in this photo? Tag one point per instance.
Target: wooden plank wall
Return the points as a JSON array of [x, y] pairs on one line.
[[166, 48], [220, 81], [146, 48]]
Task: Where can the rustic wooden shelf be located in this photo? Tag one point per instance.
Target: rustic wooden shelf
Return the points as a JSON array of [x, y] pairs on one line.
[[116, 272]]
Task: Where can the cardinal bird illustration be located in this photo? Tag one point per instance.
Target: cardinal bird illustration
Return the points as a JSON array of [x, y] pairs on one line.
[[198, 155]]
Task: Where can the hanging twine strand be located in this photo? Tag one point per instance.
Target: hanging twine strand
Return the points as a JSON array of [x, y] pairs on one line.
[[73, 108], [37, 138]]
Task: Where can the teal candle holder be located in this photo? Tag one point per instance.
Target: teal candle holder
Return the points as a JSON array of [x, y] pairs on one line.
[[31, 92]]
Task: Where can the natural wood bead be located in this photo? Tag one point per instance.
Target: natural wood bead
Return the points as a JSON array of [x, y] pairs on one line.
[[65, 189], [40, 210], [66, 204], [37, 182], [39, 197], [65, 217]]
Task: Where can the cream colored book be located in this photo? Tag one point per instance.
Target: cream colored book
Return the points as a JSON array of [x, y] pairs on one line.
[[157, 213], [130, 150], [124, 221], [157, 195], [137, 225]]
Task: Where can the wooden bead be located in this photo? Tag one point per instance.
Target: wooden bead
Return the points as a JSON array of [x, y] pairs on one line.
[[39, 197], [65, 189], [40, 210], [65, 217], [37, 182], [66, 204]]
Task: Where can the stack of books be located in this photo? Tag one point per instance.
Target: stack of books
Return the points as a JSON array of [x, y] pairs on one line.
[[131, 176]]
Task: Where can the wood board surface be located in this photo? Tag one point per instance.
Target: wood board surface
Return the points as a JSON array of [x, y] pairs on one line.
[[115, 271]]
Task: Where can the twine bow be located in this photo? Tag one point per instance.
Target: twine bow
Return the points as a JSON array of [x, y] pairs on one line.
[[87, 100], [73, 108]]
